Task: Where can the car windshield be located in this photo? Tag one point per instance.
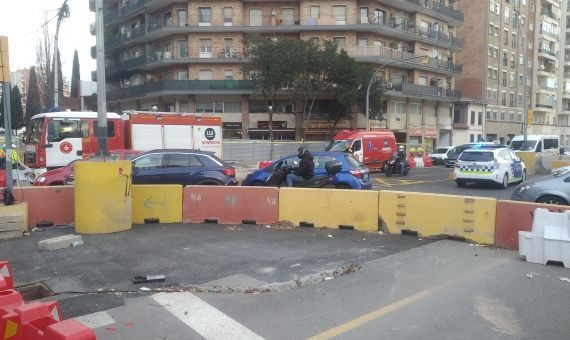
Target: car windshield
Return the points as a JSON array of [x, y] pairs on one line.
[[35, 133], [475, 156], [333, 143], [520, 145], [354, 162], [440, 151], [340, 145], [458, 149]]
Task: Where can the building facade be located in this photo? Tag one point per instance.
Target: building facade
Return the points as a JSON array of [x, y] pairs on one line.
[[493, 76], [21, 78], [187, 56]]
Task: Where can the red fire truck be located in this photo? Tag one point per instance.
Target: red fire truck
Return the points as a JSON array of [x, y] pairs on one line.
[[55, 139]]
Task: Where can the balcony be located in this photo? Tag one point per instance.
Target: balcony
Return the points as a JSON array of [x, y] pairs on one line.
[[427, 91], [124, 38], [130, 7], [545, 106], [548, 13], [547, 51], [377, 54], [550, 34], [432, 8], [182, 87], [460, 126], [110, 15]]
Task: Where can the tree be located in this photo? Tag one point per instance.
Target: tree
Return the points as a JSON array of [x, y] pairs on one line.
[[33, 101], [44, 61], [17, 112], [376, 98], [75, 76], [273, 64]]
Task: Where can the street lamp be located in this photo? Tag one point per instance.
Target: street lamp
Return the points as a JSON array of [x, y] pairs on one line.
[[432, 54]]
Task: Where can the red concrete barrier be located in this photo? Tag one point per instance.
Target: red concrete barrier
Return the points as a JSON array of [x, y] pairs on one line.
[[513, 217], [230, 205], [47, 204]]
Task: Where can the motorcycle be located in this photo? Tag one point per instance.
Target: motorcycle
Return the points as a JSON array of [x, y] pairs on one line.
[[278, 177], [394, 166]]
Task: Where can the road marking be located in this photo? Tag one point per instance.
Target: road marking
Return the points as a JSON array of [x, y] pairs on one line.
[[96, 320], [394, 306], [203, 318]]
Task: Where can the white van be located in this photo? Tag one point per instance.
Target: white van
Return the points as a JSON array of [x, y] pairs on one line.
[[547, 144]]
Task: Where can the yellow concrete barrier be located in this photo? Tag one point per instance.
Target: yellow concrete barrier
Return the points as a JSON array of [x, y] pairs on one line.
[[472, 218], [529, 159], [330, 208], [102, 197], [556, 164], [157, 203], [13, 220]]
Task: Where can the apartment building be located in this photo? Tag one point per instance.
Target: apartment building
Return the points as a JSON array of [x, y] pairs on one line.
[[21, 78], [492, 82], [563, 94], [187, 56]]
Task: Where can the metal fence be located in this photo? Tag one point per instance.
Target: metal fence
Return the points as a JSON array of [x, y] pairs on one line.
[[251, 152]]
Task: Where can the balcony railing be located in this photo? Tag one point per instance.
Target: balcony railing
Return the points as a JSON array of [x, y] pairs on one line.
[[546, 106], [110, 15], [440, 8], [132, 5], [550, 34], [125, 37], [181, 85], [422, 90], [547, 51], [406, 57], [409, 27], [460, 126], [548, 13], [127, 64]]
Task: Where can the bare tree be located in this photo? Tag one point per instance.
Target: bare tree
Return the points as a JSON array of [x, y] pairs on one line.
[[45, 67]]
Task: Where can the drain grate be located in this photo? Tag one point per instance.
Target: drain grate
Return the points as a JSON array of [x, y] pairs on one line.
[[34, 291]]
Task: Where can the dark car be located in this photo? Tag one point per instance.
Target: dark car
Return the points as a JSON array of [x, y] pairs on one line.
[[182, 166], [353, 175], [454, 153]]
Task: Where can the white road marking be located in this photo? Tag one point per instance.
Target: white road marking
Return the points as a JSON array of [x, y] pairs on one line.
[[96, 320], [203, 318]]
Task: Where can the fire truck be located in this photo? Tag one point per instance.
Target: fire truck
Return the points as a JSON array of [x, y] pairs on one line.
[[55, 139]]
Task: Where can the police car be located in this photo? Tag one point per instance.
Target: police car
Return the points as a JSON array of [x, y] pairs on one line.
[[496, 165]]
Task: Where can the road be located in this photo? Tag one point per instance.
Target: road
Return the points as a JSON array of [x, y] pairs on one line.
[[435, 180]]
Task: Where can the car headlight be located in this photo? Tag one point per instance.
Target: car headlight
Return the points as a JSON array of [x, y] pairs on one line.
[[41, 179], [524, 188]]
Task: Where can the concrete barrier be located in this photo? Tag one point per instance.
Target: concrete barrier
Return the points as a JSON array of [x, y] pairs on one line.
[[13, 220], [331, 208], [556, 164], [513, 217], [231, 205], [529, 159], [157, 204], [472, 218], [47, 205]]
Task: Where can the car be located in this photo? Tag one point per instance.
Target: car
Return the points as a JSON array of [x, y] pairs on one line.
[[554, 189], [495, 165], [354, 175], [61, 176], [182, 166], [565, 151], [454, 153], [439, 155]]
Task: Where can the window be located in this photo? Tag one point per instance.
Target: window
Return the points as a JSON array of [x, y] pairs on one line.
[[59, 130], [504, 78], [399, 108], [507, 15], [181, 160], [490, 50], [288, 16], [512, 117], [228, 43], [521, 59], [511, 100], [167, 19], [363, 15], [414, 109], [182, 75], [205, 48], [488, 115], [204, 16], [471, 138], [514, 40], [512, 80], [502, 115], [480, 118], [495, 74], [506, 37], [491, 29], [503, 102], [315, 12], [472, 117], [494, 115], [550, 144], [489, 72], [228, 16], [182, 16], [183, 48], [379, 16], [513, 61], [205, 74], [492, 6], [476, 156], [255, 17], [362, 42], [423, 80], [339, 13], [496, 52], [149, 162], [229, 74], [505, 59], [340, 42]]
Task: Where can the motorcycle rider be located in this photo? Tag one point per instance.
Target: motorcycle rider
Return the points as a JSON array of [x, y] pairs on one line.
[[401, 156], [306, 169]]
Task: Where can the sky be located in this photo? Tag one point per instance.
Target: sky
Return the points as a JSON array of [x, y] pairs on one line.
[[21, 21]]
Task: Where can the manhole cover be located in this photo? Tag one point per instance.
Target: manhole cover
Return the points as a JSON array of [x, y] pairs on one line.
[[34, 291]]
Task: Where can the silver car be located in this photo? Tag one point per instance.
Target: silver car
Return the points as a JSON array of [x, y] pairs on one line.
[[554, 189]]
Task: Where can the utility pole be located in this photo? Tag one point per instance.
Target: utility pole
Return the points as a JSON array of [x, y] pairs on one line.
[[63, 13], [525, 74], [101, 132], [5, 81]]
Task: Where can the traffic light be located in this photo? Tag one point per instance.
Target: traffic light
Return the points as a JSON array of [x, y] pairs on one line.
[[4, 60]]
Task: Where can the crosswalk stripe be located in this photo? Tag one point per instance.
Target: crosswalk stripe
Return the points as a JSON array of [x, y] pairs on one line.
[[203, 318], [96, 320]]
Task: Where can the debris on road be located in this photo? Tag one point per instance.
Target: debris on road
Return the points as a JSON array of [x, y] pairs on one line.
[[531, 275], [283, 225], [145, 289], [60, 242], [234, 227], [564, 279], [148, 279]]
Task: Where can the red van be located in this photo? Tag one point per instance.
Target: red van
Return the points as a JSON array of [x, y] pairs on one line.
[[372, 148]]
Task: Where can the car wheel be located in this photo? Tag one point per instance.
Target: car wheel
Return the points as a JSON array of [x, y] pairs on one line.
[[551, 199], [342, 186], [388, 171], [505, 181], [460, 184]]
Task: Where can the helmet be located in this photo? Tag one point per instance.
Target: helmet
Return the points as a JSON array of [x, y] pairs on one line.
[[401, 148], [302, 151]]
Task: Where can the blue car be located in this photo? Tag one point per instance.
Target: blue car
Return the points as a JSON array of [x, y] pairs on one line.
[[354, 175], [181, 166]]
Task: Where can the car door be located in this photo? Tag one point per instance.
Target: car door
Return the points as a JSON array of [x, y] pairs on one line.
[[146, 169], [517, 165], [176, 169], [357, 150], [506, 164]]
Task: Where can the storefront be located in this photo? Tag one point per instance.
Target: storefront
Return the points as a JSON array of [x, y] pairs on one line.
[[280, 131], [231, 130]]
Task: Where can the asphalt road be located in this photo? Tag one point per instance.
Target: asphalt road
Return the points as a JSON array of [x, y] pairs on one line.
[[435, 180]]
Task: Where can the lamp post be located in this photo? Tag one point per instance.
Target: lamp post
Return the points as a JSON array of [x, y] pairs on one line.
[[433, 54]]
